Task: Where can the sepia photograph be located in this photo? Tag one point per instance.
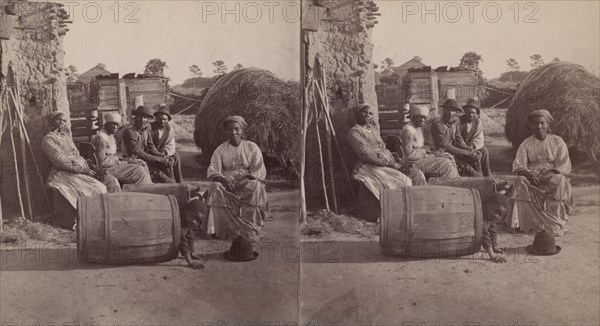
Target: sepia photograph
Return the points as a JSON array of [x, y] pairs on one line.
[[149, 161], [451, 173], [299, 162]]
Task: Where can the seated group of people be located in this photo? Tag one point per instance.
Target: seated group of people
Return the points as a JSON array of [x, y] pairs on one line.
[[236, 201], [148, 154], [458, 148], [541, 197]]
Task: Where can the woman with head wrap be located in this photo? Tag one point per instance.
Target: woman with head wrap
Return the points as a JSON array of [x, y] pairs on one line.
[[375, 167], [542, 197], [70, 174], [237, 200]]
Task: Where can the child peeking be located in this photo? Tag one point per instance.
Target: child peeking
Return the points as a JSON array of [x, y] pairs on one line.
[[495, 210], [192, 216]]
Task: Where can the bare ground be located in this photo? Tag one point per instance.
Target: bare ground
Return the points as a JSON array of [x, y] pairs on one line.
[[346, 281], [42, 282], [351, 283]]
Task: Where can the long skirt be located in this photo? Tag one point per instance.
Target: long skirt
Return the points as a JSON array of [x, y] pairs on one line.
[[241, 213], [74, 185], [377, 178], [546, 207]]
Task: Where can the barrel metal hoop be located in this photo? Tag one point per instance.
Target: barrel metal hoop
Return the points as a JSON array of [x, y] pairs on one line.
[[176, 226], [478, 213], [383, 206], [409, 213], [82, 209], [107, 227]]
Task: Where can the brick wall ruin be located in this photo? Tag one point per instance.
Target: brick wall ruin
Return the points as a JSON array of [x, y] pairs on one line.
[[35, 50], [342, 44]]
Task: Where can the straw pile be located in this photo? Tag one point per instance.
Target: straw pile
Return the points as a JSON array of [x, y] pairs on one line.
[[571, 94], [270, 106]]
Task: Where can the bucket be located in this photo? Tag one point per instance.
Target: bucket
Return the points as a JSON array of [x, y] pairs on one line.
[[128, 228], [430, 221]]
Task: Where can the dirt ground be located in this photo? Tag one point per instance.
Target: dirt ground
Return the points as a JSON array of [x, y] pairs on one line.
[[42, 282], [343, 279], [346, 281]]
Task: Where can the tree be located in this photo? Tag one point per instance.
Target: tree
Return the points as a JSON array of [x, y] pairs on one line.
[[195, 71], [220, 67], [101, 65], [513, 65], [555, 60], [537, 61], [72, 70], [238, 66], [387, 64], [470, 60], [155, 67]]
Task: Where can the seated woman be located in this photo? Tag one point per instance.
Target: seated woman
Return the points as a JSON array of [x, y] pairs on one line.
[[376, 167], [237, 201], [542, 198], [70, 174]]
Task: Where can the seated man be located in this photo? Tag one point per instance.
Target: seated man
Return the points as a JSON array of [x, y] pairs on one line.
[[126, 170], [137, 143], [471, 130], [430, 164], [163, 136], [446, 136]]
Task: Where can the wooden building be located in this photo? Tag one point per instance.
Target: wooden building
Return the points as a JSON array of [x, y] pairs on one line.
[[89, 103], [425, 86]]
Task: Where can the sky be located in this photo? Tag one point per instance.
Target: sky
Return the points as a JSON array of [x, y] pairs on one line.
[[266, 34], [125, 35], [496, 30]]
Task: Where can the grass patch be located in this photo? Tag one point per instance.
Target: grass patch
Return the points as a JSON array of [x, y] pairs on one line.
[[21, 230], [323, 223]]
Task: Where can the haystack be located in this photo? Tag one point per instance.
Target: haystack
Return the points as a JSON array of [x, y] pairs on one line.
[[270, 105], [571, 94]]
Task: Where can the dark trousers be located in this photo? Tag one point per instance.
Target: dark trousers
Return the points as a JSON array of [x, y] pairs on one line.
[[476, 168], [177, 175], [468, 167], [484, 163], [162, 173]]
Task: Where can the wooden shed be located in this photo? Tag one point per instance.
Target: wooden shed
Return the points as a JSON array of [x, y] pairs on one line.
[[153, 92], [425, 86], [89, 103]]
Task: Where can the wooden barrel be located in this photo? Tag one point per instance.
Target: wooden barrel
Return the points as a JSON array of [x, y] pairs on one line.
[[430, 221], [181, 191], [485, 185], [128, 228]]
